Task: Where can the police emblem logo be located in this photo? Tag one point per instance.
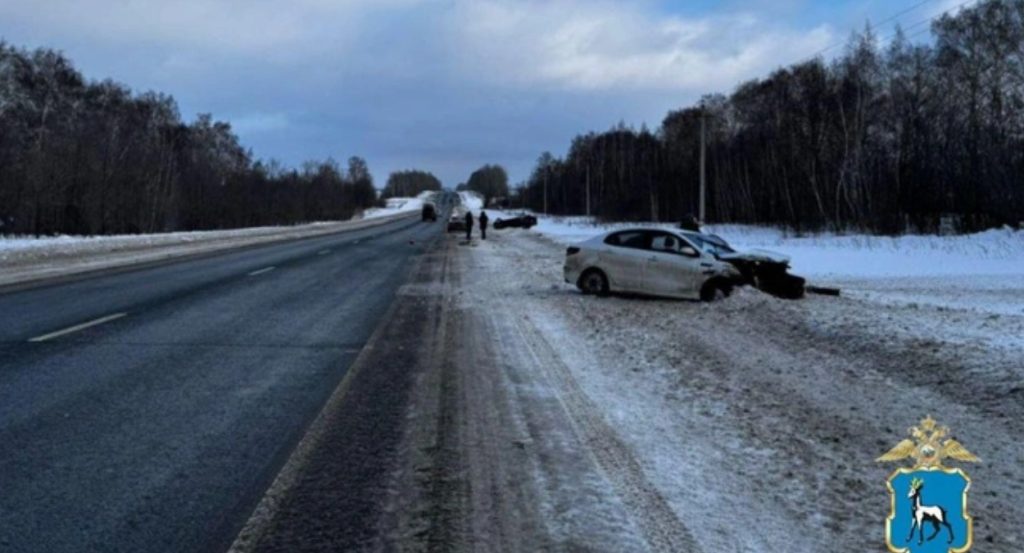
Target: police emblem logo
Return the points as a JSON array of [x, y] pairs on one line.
[[929, 500]]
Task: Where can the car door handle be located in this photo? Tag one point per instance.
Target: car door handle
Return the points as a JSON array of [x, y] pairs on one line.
[[652, 258]]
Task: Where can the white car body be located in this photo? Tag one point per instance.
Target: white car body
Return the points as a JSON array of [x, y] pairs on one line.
[[649, 261]]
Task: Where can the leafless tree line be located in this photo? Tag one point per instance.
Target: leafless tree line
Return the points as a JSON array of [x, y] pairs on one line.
[[905, 137], [82, 157], [409, 183], [490, 181]]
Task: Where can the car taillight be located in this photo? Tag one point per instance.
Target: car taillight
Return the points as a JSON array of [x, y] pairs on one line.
[[572, 251]]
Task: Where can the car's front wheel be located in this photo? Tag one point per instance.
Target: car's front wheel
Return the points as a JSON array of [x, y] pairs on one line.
[[715, 289], [594, 282]]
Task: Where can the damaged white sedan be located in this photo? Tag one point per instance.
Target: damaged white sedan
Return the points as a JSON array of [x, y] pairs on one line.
[[674, 264]]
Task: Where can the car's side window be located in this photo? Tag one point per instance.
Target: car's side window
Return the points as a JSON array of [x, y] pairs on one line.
[[663, 242], [695, 251], [628, 239], [670, 243]]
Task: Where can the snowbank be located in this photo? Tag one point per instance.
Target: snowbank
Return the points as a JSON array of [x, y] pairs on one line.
[[16, 248], [399, 205], [25, 259], [471, 200], [993, 252]]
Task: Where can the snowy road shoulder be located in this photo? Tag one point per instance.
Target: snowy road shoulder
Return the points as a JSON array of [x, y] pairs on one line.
[[982, 271], [32, 259], [398, 205], [757, 401]]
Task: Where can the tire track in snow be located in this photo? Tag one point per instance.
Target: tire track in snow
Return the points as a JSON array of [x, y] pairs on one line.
[[649, 510]]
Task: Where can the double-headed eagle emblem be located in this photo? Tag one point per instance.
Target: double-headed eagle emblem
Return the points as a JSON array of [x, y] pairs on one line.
[[929, 447]]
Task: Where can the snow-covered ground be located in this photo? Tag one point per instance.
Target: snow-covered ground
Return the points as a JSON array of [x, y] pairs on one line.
[[27, 258], [471, 200], [751, 424], [399, 205], [827, 255], [15, 248], [910, 269]]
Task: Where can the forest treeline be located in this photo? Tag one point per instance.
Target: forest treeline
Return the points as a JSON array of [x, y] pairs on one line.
[[490, 181], [82, 157], [905, 137], [406, 184]]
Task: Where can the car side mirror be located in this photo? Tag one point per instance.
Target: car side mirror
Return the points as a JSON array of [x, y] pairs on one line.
[[688, 251]]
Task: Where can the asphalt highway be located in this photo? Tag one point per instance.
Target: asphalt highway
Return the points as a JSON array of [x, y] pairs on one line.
[[148, 410]]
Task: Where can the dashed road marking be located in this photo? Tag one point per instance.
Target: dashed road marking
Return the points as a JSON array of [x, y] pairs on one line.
[[261, 271], [77, 327], [323, 252]]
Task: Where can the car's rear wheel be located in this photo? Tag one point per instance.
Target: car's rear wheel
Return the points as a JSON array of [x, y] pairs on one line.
[[593, 281]]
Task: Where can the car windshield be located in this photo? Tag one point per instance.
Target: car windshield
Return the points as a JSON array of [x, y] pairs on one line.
[[709, 243]]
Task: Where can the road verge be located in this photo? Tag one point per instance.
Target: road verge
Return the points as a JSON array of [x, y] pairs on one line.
[[22, 269]]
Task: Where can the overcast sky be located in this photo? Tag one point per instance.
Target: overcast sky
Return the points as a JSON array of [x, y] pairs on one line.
[[440, 85]]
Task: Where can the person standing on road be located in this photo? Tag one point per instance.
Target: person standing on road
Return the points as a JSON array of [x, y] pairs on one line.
[[483, 225], [469, 225]]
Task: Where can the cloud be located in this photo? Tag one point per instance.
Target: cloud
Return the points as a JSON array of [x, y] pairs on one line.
[[266, 28], [440, 84], [259, 122], [603, 45]]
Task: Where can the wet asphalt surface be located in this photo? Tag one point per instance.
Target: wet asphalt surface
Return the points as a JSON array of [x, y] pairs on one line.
[[160, 430]]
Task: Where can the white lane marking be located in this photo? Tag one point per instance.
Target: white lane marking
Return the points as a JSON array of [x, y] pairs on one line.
[[261, 271], [323, 252], [77, 327]]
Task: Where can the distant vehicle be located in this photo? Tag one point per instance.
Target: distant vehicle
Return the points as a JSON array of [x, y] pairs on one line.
[[674, 264], [522, 221], [429, 212], [457, 222]]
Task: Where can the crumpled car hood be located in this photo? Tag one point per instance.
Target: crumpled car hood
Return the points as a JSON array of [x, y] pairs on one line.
[[763, 256]]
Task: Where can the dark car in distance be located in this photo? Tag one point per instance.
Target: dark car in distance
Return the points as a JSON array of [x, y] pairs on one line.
[[429, 212], [522, 221]]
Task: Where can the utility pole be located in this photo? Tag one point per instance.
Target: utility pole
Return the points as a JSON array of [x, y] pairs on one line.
[[588, 190], [703, 182]]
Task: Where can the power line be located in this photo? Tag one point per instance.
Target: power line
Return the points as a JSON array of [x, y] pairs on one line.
[[904, 12], [930, 20], [894, 17], [889, 19]]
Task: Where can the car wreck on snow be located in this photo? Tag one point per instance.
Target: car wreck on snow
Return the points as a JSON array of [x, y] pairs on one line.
[[765, 270], [522, 221], [675, 263]]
